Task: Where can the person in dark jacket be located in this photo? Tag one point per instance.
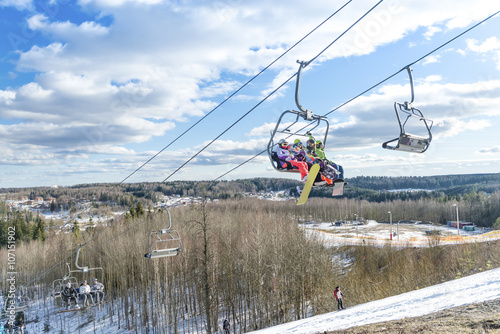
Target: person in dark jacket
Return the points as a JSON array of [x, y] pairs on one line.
[[338, 296], [226, 326], [69, 293]]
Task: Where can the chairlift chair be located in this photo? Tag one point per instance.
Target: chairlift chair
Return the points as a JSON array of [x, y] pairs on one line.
[[409, 142], [59, 284], [165, 242], [307, 115], [85, 271], [17, 302]]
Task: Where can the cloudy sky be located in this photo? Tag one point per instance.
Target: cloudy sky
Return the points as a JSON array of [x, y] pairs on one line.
[[92, 89]]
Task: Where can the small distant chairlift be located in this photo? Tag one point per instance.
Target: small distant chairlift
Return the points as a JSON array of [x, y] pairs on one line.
[[307, 115], [19, 302], [408, 142], [165, 242]]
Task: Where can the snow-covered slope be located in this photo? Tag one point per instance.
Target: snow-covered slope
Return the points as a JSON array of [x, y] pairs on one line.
[[468, 290]]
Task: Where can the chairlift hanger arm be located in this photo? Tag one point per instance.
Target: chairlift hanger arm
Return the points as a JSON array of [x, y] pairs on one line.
[[307, 114], [408, 69]]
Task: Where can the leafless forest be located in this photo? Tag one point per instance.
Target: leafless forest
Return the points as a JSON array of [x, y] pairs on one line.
[[245, 260]]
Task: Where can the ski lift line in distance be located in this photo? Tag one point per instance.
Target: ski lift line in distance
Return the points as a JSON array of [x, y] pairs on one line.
[[409, 142], [307, 115], [165, 242]]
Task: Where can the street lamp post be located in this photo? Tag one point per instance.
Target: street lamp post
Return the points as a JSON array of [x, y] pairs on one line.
[[390, 218], [398, 230], [458, 221]]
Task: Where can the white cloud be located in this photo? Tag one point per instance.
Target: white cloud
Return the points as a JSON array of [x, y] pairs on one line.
[[431, 59], [18, 4], [489, 150], [431, 31], [490, 44], [433, 78]]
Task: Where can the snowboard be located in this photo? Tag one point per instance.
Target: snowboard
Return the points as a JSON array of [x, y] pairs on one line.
[[313, 172]]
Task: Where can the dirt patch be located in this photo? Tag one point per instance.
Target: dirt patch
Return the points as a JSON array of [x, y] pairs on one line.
[[473, 318]]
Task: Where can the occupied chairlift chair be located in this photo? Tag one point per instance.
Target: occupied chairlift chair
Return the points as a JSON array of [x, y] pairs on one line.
[[307, 115], [165, 242], [86, 270], [59, 284], [409, 142]]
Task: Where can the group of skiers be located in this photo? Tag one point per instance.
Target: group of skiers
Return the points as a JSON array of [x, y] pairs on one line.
[[296, 156], [88, 294], [11, 327]]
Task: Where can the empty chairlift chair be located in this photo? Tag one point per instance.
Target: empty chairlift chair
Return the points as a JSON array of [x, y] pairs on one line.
[[410, 142], [165, 242]]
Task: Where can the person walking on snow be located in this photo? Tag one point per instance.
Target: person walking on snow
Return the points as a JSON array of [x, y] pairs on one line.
[[226, 326], [338, 296]]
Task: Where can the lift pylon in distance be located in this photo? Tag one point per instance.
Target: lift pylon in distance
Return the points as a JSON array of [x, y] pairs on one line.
[[410, 142]]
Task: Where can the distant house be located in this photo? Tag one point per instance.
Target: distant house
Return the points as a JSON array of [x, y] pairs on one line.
[[51, 199], [38, 199], [23, 198], [461, 224]]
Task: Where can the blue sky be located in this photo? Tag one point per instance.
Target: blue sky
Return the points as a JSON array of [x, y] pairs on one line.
[[90, 90]]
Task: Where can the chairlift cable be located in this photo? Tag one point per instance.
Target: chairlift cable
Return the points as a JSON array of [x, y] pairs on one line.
[[232, 125], [220, 104], [372, 87], [235, 92], [410, 64], [269, 95]]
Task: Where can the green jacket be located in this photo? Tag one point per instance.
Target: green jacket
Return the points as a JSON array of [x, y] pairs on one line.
[[319, 152]]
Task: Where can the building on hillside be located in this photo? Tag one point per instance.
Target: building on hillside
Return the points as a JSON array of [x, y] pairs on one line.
[[38, 199], [461, 224]]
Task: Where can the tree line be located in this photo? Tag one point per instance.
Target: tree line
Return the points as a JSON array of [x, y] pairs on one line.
[[248, 261]]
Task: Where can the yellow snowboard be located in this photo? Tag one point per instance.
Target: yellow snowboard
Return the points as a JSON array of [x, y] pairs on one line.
[[313, 172]]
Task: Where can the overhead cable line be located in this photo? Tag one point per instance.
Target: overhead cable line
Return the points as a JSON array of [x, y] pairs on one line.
[[269, 95], [235, 92], [377, 84], [216, 107], [246, 114], [210, 112]]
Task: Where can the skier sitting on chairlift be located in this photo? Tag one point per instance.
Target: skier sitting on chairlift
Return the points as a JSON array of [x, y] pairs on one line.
[[285, 156], [69, 293], [97, 290], [329, 169], [85, 293]]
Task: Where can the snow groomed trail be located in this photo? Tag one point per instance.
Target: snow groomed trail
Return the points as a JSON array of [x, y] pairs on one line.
[[468, 290]]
